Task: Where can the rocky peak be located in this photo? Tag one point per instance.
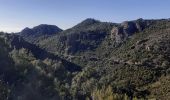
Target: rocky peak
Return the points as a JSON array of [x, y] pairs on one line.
[[128, 28]]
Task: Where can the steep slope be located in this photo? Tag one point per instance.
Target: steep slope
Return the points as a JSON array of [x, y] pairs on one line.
[[85, 36], [128, 28], [80, 42], [135, 67], [28, 72], [131, 59], [131, 56]]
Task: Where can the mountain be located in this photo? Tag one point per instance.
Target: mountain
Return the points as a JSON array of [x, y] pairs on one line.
[[85, 36], [90, 35], [93, 60], [120, 55], [128, 28], [39, 32]]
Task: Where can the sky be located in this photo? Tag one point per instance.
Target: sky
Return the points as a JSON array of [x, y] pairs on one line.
[[18, 14]]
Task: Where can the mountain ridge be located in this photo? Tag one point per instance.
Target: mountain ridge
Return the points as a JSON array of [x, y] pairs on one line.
[[128, 60], [39, 32]]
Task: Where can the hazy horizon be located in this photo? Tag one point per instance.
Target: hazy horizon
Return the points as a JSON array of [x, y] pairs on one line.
[[18, 14]]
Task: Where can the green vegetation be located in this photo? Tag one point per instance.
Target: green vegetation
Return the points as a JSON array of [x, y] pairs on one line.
[[4, 91], [87, 62], [107, 94]]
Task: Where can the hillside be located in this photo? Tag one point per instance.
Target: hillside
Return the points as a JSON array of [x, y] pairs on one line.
[[93, 60], [37, 33], [29, 72], [85, 36]]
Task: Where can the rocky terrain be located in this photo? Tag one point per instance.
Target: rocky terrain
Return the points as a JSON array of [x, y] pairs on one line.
[[93, 60]]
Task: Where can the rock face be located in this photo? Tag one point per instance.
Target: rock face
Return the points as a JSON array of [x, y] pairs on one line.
[[82, 41], [117, 34], [87, 35], [71, 64], [128, 28]]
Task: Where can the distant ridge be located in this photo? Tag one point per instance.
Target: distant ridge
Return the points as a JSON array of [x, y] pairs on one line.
[[42, 29], [39, 32]]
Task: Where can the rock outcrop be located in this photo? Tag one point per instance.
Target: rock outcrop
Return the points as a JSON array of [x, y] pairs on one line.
[[128, 28]]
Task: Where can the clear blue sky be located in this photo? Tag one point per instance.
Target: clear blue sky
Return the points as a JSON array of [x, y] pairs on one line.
[[17, 14]]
